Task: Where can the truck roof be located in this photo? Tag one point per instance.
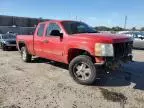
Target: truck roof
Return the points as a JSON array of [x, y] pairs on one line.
[[58, 21]]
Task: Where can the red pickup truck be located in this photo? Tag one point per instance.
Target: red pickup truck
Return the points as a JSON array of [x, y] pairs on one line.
[[77, 44]]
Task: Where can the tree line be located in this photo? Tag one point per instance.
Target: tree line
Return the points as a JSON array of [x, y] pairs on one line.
[[117, 28]]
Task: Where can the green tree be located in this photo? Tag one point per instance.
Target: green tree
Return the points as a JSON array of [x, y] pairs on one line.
[[102, 28], [117, 28]]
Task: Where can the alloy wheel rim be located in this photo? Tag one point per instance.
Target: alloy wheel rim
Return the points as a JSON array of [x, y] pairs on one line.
[[82, 71], [24, 54]]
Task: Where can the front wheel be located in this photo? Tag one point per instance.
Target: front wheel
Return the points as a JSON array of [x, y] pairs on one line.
[[26, 57], [83, 70]]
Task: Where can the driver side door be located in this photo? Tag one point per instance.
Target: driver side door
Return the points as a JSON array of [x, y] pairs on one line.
[[53, 45]]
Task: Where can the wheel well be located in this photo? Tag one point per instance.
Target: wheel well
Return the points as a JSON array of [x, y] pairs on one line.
[[21, 44], [72, 53]]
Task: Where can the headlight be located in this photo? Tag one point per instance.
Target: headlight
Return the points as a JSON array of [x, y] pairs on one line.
[[104, 49]]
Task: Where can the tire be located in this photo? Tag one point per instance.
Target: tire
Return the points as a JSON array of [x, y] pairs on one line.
[[83, 70], [26, 57], [4, 48]]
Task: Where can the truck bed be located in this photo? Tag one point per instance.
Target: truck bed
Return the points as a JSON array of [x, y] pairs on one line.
[[28, 40]]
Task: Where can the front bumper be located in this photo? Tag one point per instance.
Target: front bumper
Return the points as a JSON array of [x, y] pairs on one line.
[[111, 63], [115, 64]]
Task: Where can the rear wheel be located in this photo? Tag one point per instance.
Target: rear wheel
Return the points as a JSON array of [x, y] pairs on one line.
[[83, 70], [26, 57]]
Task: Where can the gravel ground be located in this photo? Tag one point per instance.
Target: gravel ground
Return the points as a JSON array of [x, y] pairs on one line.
[[47, 84]]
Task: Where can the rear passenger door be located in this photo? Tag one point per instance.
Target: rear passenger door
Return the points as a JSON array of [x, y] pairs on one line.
[[38, 40], [53, 44]]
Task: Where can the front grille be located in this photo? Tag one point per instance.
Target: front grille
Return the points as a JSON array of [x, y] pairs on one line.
[[12, 42], [122, 49]]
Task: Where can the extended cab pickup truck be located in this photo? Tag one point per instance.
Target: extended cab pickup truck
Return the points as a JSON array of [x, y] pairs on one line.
[[77, 44]]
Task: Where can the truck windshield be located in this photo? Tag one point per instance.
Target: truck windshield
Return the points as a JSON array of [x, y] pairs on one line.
[[74, 27]]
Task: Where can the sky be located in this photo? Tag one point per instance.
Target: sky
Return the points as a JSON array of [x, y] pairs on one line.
[[94, 12]]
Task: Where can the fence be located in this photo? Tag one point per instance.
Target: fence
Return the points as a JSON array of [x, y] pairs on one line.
[[18, 30], [20, 25], [19, 21]]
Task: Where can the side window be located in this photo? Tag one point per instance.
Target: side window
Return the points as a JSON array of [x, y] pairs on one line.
[[41, 30], [52, 29]]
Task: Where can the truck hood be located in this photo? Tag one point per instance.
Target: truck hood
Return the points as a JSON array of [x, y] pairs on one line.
[[103, 38]]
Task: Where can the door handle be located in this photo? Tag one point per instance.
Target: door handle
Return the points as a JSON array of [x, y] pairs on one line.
[[45, 41]]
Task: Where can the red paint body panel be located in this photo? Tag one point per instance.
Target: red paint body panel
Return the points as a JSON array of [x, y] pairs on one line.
[[28, 40], [57, 48]]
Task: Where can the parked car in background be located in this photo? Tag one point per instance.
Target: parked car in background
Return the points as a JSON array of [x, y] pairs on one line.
[[7, 41], [138, 38]]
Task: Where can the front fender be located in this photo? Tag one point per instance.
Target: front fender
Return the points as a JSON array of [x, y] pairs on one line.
[[82, 46]]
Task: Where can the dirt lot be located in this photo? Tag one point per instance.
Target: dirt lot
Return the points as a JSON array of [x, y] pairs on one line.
[[45, 84]]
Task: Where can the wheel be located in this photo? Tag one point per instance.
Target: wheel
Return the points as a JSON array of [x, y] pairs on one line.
[[4, 48], [83, 70], [26, 57]]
